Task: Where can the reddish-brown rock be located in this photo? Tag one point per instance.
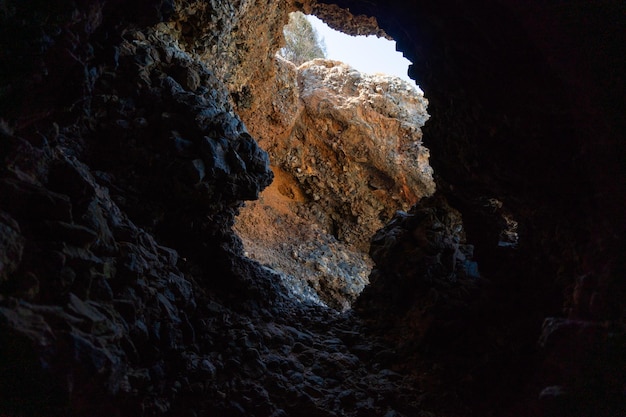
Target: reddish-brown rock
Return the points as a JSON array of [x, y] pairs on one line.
[[347, 153]]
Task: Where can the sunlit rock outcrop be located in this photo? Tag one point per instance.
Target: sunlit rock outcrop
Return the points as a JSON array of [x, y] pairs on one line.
[[352, 157], [363, 132]]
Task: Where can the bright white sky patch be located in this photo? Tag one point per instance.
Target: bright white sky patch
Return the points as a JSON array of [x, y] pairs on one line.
[[368, 54]]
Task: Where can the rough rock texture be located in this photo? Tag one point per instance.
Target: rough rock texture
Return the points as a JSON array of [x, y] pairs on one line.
[[347, 22], [279, 108], [363, 132], [236, 40], [124, 290], [282, 232], [347, 147]]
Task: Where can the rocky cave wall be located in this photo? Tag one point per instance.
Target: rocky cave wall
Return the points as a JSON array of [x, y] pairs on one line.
[[124, 290]]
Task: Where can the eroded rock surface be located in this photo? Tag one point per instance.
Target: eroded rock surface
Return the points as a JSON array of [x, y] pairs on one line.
[[363, 132], [347, 147]]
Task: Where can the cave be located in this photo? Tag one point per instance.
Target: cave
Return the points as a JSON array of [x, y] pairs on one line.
[[129, 138]]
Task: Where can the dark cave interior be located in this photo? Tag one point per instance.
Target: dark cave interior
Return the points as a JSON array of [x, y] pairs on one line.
[[124, 290]]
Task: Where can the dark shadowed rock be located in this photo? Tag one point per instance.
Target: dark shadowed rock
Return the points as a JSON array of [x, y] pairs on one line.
[[125, 292]]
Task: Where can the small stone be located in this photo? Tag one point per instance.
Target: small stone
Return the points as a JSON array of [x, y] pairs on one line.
[[182, 147], [347, 398], [208, 368], [140, 122], [214, 152], [122, 123], [192, 79], [315, 380], [296, 377]]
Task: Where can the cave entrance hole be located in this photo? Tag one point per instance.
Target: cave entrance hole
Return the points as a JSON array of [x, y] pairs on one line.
[[346, 151]]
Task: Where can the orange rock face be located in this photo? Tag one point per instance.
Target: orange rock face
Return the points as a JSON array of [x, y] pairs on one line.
[[347, 154]]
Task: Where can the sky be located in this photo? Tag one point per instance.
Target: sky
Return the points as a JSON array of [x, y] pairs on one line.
[[368, 54]]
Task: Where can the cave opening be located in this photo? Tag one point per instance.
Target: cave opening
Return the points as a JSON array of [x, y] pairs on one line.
[[346, 151]]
